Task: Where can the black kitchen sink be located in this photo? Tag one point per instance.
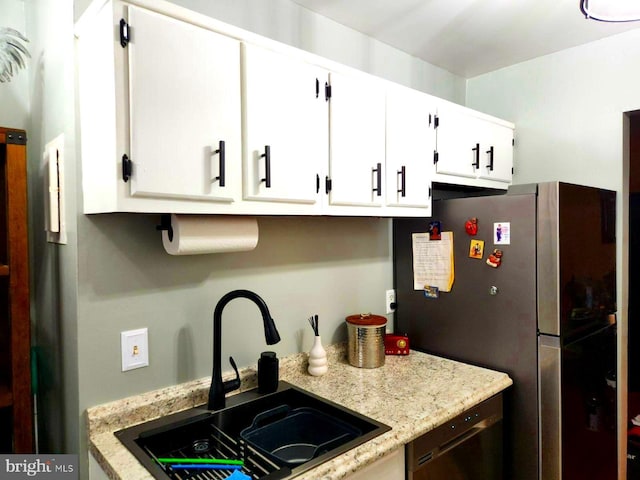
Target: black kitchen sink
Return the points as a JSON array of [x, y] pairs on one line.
[[277, 435]]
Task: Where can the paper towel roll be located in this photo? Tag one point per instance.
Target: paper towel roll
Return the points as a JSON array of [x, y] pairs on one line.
[[197, 234]]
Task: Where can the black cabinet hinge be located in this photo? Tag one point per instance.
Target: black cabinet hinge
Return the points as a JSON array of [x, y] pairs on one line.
[[435, 157], [327, 91], [436, 121], [124, 33], [127, 168], [327, 184], [16, 138]]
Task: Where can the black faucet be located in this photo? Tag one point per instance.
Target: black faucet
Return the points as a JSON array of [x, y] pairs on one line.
[[218, 387]]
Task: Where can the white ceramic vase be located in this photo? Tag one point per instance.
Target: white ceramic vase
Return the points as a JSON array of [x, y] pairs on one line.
[[318, 364]]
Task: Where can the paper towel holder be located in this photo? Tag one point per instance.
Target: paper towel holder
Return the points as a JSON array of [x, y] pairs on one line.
[[165, 224]]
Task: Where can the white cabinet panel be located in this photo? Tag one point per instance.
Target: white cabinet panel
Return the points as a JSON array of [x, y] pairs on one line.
[[184, 99], [410, 144], [473, 146], [497, 153], [458, 149], [286, 127], [357, 130]]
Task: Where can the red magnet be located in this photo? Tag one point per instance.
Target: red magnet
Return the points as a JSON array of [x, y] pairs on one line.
[[495, 258], [471, 226]]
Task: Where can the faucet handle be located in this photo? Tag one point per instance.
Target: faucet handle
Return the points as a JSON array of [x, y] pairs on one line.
[[234, 384]]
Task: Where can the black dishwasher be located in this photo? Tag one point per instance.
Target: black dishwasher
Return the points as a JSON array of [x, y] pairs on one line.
[[467, 447]]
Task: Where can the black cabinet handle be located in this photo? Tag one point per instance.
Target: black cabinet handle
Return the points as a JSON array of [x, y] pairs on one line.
[[221, 162], [403, 176], [378, 171], [267, 166], [476, 164], [317, 88], [327, 185], [490, 152], [317, 183]]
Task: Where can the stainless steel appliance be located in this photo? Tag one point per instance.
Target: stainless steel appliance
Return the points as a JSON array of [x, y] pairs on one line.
[[468, 446], [545, 315]]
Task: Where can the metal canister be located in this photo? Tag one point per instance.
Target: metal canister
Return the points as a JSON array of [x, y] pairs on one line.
[[366, 340]]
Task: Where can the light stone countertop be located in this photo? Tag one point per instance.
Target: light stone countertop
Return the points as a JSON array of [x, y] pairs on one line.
[[412, 394]]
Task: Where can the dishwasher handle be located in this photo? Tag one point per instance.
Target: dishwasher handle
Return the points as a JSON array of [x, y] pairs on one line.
[[464, 436], [425, 456]]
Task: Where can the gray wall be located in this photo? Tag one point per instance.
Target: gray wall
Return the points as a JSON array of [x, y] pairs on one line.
[[568, 109], [53, 267], [40, 100]]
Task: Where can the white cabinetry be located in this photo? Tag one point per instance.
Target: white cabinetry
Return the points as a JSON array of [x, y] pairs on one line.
[[472, 148], [496, 159], [184, 110], [357, 139], [180, 113], [285, 124], [175, 111], [410, 144]]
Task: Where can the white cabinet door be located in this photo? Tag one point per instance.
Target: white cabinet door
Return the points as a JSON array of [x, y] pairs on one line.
[[472, 145], [286, 127], [389, 467], [356, 136], [497, 153], [458, 147], [184, 108], [410, 144]]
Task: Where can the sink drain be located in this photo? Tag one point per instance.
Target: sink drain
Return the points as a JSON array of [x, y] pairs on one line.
[[201, 446]]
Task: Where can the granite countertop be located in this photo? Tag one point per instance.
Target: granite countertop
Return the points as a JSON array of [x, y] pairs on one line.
[[412, 394]]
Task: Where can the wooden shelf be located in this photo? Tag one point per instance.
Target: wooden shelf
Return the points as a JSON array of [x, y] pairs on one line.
[[15, 364]]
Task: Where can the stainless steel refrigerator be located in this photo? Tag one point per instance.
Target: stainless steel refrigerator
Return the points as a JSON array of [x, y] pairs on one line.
[[545, 315]]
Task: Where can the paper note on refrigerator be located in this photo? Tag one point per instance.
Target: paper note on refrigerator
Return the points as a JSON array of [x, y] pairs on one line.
[[433, 262]]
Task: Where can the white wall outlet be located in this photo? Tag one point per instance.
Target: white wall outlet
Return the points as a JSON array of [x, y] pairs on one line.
[[390, 301], [135, 349]]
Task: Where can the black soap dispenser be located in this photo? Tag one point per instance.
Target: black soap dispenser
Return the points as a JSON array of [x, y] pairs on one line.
[[267, 372]]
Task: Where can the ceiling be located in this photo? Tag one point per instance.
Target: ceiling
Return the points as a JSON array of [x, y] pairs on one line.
[[470, 37]]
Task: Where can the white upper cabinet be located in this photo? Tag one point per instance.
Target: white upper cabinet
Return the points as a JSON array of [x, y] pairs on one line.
[[496, 157], [286, 128], [160, 114], [357, 139], [181, 113], [472, 148], [184, 110], [410, 145], [457, 143]]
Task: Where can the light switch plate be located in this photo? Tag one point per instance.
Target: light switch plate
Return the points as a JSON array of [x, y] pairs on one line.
[[135, 349], [54, 198]]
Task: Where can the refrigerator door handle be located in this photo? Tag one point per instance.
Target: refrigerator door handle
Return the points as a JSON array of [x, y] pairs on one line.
[[549, 378]]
